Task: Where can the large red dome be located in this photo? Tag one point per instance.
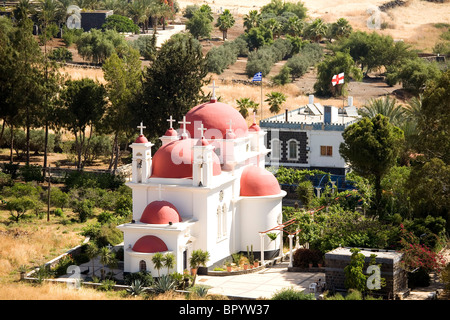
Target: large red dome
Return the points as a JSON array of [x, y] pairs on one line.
[[174, 160], [150, 244], [215, 115], [160, 212], [257, 182]]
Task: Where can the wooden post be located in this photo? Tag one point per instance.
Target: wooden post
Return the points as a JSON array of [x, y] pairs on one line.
[[48, 195]]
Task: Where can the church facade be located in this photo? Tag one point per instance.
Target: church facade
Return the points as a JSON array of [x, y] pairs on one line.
[[205, 188]]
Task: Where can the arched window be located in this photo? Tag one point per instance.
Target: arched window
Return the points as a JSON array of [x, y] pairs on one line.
[[276, 149], [292, 151], [224, 220], [142, 265]]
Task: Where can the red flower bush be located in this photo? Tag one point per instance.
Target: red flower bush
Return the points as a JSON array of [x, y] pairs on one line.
[[416, 255]]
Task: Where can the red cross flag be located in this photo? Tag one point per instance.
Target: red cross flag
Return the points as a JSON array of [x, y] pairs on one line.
[[338, 79]]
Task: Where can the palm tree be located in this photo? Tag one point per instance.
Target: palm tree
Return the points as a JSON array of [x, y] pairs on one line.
[[252, 20], [106, 258], [46, 15], [244, 104], [136, 11], [295, 26], [22, 10], [387, 107], [316, 30], [92, 251], [224, 22], [157, 260], [341, 28], [168, 261], [275, 100]]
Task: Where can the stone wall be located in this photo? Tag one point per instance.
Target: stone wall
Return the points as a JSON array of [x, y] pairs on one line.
[[395, 277]]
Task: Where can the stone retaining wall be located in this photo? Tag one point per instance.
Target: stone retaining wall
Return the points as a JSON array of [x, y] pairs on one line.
[[390, 269]]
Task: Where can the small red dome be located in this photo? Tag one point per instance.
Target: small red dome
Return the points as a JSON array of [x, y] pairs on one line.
[[174, 160], [149, 244], [160, 212], [171, 132], [141, 139], [202, 142], [215, 117], [230, 135], [254, 127], [257, 182]]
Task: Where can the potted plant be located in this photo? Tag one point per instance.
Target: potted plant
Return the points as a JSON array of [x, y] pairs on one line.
[[199, 259], [256, 263], [310, 264], [228, 265], [245, 266], [194, 261]]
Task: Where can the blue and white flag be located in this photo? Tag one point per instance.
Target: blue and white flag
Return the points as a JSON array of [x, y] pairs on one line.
[[257, 77]]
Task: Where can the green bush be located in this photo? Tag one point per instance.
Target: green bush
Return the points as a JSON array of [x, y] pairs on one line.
[[31, 173], [82, 179], [303, 257], [292, 294], [120, 24], [60, 54], [70, 36], [146, 45], [58, 212], [145, 278], [84, 209]]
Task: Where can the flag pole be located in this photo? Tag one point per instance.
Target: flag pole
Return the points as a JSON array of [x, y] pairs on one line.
[[261, 98]]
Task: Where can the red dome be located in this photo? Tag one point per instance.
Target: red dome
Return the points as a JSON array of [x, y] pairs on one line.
[[141, 139], [174, 160], [254, 127], [215, 115], [171, 132], [256, 182], [149, 244], [160, 212]]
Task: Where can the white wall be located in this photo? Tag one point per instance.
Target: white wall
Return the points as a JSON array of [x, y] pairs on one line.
[[319, 138]]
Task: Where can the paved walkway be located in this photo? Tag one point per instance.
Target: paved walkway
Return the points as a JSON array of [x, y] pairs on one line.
[[261, 284], [161, 35]]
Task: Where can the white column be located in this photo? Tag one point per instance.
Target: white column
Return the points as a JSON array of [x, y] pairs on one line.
[[290, 249], [262, 247]]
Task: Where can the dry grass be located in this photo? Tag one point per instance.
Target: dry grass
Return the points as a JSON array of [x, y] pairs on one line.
[[54, 291], [31, 243]]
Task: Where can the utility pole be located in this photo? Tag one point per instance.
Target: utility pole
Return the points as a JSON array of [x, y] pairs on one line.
[[48, 195]]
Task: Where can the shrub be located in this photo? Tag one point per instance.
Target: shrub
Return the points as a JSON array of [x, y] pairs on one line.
[[60, 54], [31, 173], [82, 179], [120, 24], [144, 277], [62, 265], [58, 212], [71, 35], [146, 45], [108, 234], [84, 209], [303, 257], [291, 294]]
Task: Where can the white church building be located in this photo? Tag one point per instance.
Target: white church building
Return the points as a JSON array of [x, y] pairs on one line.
[[205, 188]]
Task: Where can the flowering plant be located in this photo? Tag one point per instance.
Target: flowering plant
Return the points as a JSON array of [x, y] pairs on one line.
[[416, 255]]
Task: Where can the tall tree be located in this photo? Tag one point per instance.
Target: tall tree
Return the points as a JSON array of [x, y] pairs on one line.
[[251, 20], [372, 147], [83, 107], [224, 22], [333, 65], [123, 82], [173, 84]]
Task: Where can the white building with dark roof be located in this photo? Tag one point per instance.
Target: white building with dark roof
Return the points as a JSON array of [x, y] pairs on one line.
[[309, 137]]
